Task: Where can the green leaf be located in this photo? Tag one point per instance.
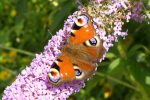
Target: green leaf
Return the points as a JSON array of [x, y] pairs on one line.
[[110, 55], [133, 49], [114, 64], [147, 80], [140, 73]]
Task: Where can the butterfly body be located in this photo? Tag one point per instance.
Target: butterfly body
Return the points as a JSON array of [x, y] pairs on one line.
[[79, 56]]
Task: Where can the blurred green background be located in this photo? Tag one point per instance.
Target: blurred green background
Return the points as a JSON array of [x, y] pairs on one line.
[[26, 26]]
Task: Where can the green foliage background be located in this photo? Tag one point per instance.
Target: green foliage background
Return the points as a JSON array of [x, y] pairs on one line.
[[26, 26]]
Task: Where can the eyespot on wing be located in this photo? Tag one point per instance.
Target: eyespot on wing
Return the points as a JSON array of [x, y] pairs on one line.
[[62, 71]]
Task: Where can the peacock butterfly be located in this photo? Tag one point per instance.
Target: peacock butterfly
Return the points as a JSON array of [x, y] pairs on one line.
[[79, 56]]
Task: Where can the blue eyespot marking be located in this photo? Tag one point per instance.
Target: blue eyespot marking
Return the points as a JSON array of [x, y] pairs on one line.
[[78, 72], [93, 41]]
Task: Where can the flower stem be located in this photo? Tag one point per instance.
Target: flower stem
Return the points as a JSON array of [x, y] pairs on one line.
[[17, 50], [117, 81]]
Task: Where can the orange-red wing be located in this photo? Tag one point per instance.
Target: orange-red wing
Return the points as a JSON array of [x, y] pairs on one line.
[[83, 34], [66, 68]]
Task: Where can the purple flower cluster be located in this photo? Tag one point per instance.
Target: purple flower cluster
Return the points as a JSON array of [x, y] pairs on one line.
[[110, 15], [32, 83], [136, 12]]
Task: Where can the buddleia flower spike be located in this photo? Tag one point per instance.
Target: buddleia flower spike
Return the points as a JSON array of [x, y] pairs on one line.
[[108, 17]]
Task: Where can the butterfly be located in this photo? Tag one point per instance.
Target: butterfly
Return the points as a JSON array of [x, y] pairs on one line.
[[79, 56]]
